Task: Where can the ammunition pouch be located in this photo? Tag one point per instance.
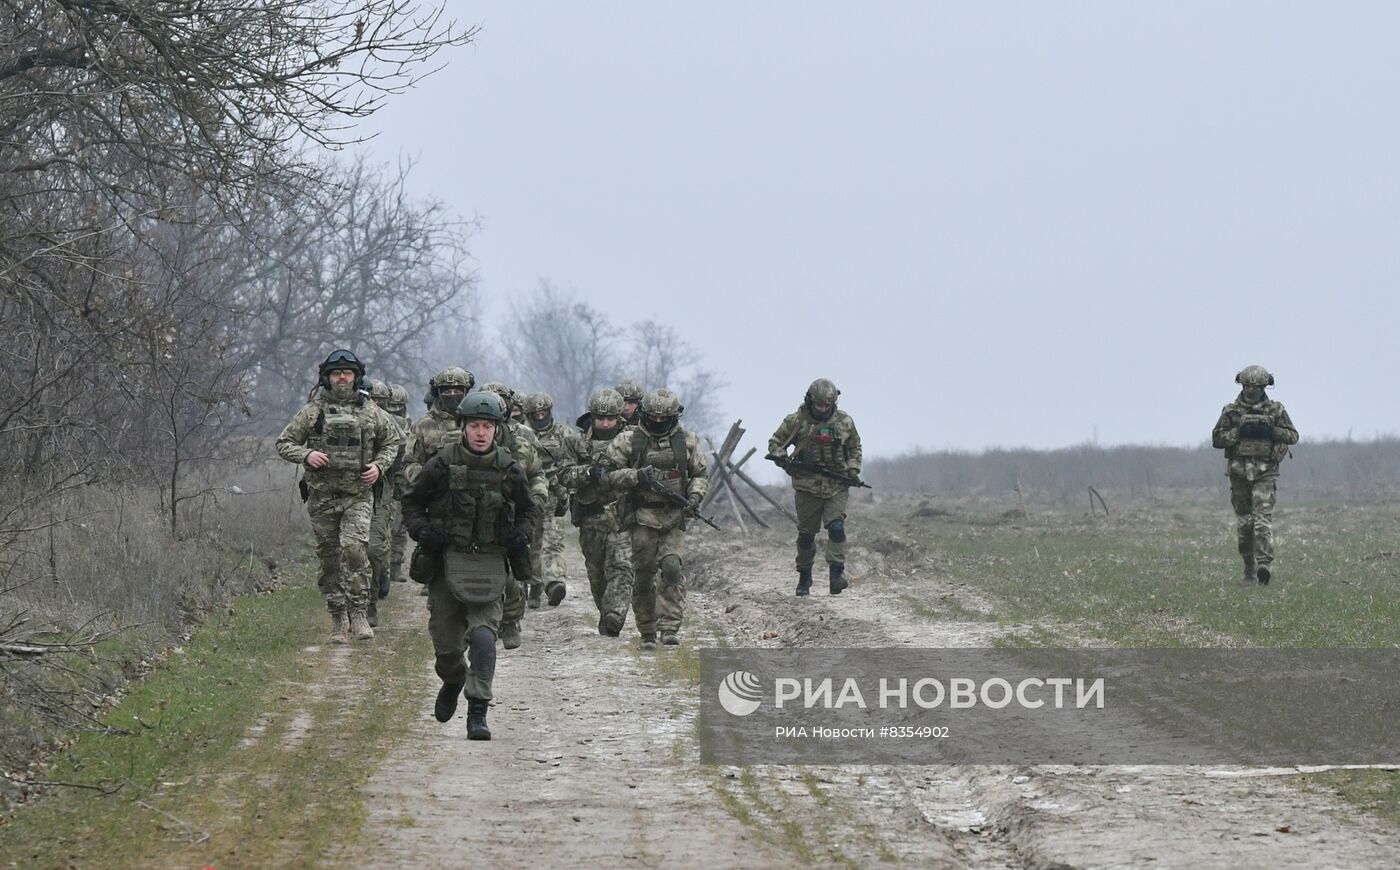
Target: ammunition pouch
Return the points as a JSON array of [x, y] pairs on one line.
[[424, 565], [474, 578]]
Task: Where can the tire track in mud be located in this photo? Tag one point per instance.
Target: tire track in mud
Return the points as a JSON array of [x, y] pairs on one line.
[[1004, 816]]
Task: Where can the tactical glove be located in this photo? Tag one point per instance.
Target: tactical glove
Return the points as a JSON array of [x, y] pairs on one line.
[[517, 539], [777, 459], [693, 501], [431, 538], [561, 507], [646, 475], [1257, 429], [597, 473]]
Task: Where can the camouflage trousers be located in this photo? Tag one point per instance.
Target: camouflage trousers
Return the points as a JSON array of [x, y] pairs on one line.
[[813, 514], [1253, 501], [658, 602], [398, 547], [387, 519], [450, 626], [341, 525], [607, 554], [547, 550]]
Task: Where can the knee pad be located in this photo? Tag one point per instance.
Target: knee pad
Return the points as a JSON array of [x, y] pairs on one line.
[[671, 570], [836, 530], [355, 556], [806, 540], [482, 645]]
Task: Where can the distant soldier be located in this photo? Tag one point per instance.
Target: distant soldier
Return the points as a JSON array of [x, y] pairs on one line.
[[345, 445], [398, 408], [607, 551], [658, 461], [439, 426], [826, 440], [559, 446], [386, 509], [470, 505], [520, 442], [632, 395], [1255, 432]]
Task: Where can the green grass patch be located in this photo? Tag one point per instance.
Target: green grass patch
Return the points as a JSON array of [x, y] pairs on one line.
[[245, 750], [1373, 791]]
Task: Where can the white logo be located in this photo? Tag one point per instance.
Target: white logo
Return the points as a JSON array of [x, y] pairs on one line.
[[739, 693]]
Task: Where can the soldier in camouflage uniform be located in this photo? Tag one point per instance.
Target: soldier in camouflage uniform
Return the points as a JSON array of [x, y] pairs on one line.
[[521, 443], [468, 507], [658, 452], [824, 436], [345, 446], [559, 447], [439, 426], [386, 510], [1255, 433], [632, 395], [398, 541], [607, 551]]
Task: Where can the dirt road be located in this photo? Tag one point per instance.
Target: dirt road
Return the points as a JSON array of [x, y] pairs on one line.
[[594, 758]]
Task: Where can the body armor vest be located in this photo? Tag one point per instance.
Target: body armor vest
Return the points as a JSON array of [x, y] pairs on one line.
[[671, 462], [339, 433], [474, 511], [821, 445]]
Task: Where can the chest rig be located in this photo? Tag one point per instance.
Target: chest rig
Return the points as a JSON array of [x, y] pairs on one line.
[[821, 444], [339, 432], [671, 460], [474, 510]]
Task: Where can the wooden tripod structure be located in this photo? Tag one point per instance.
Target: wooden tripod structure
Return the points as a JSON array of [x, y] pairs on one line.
[[725, 472]]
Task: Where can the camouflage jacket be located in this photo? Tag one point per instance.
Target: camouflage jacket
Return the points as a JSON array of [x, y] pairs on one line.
[[589, 501], [833, 444], [1252, 458], [431, 433], [559, 449], [353, 436], [635, 449], [525, 447]]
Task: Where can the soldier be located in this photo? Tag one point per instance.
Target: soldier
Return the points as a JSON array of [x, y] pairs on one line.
[[658, 455], [632, 394], [607, 552], [559, 447], [469, 505], [521, 443], [1255, 432], [386, 509], [825, 438], [345, 446], [398, 542], [438, 426]]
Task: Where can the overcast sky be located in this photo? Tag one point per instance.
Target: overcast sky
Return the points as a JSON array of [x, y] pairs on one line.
[[989, 224]]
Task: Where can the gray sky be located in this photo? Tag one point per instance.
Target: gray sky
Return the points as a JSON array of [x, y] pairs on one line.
[[990, 224]]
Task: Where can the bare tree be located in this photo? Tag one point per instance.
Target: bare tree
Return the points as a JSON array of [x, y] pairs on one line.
[[556, 343], [661, 358]]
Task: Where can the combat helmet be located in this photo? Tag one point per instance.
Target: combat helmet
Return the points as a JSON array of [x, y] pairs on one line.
[[536, 403], [341, 359], [631, 391], [506, 393], [481, 405], [821, 392], [1254, 376], [606, 403], [451, 376], [398, 400], [379, 391], [660, 410]]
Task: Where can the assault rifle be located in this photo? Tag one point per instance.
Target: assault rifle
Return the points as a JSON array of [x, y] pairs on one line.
[[791, 465], [677, 499]]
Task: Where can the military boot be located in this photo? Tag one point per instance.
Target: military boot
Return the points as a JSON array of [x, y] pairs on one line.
[[396, 574], [476, 719], [649, 642], [338, 627], [838, 577], [372, 613], [1263, 573], [1251, 574], [670, 638], [804, 581], [609, 625], [359, 626], [423, 590], [533, 599], [556, 592], [510, 634], [446, 704]]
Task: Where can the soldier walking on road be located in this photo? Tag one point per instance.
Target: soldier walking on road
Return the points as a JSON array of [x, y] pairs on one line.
[[660, 463], [1255, 432], [398, 541], [345, 445], [559, 446], [470, 506], [632, 395], [607, 551], [823, 468], [386, 509]]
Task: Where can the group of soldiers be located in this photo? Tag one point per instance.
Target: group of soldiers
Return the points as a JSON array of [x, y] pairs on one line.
[[482, 482]]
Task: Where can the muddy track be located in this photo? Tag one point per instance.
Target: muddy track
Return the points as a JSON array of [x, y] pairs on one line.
[[594, 758]]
